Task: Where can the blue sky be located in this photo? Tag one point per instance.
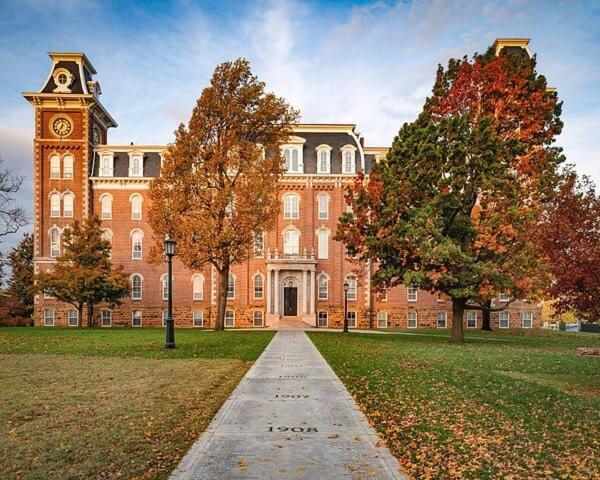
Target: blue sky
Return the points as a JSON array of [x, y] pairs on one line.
[[366, 62]]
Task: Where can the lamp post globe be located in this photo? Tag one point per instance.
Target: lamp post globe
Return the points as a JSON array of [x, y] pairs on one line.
[[170, 245], [346, 286]]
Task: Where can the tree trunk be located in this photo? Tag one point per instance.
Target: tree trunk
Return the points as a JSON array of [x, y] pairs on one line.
[[458, 312], [486, 316], [80, 315], [222, 296], [90, 315]]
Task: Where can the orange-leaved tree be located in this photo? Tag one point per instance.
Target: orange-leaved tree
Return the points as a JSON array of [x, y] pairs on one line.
[[218, 182], [83, 274]]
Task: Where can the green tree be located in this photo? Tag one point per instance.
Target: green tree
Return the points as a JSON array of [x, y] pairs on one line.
[[20, 283], [217, 184], [83, 274]]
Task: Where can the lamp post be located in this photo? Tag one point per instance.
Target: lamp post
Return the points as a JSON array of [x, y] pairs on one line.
[[346, 286], [170, 324]]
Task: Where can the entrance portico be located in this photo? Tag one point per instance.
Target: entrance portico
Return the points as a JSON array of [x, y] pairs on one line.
[[291, 287]]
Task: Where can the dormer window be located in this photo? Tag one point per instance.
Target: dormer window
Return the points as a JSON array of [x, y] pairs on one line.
[[136, 165], [106, 165], [348, 159], [293, 160], [323, 159]]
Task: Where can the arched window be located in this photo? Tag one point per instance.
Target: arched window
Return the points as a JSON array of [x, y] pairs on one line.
[[348, 159], [136, 206], [291, 206], [291, 242], [136, 286], [54, 235], [54, 166], [323, 159], [107, 235], [323, 243], [258, 286], [231, 287], [68, 166], [351, 280], [293, 163], [323, 204], [197, 287], [137, 238], [68, 205], [106, 206], [164, 286], [55, 205], [106, 165], [323, 285], [136, 165], [259, 244]]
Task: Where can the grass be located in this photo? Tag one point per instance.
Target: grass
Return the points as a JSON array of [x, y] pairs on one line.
[[515, 404], [104, 404]]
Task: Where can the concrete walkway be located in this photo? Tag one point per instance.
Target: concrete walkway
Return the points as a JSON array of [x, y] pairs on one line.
[[289, 418]]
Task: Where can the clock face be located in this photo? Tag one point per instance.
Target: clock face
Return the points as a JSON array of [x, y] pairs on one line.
[[95, 136], [62, 127]]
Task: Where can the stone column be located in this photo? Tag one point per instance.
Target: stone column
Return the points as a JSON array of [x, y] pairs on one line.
[[276, 293], [304, 291], [312, 293], [269, 273]]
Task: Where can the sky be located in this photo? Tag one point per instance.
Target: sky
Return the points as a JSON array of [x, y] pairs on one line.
[[371, 63]]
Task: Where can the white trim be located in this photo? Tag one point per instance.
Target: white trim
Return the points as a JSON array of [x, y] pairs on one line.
[[141, 318], [507, 320], [416, 325], [262, 278], [437, 317], [225, 318], [351, 149], [530, 319], [291, 214], [69, 317], [326, 318], [141, 286], [324, 275], [231, 276], [382, 314], [45, 324], [262, 318], [109, 317], [414, 290], [201, 312], [469, 313], [327, 198], [323, 148], [202, 279]]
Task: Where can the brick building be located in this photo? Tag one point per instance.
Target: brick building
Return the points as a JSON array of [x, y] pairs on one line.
[[296, 270]]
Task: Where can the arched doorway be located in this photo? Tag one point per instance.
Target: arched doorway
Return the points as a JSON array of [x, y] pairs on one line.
[[290, 297]]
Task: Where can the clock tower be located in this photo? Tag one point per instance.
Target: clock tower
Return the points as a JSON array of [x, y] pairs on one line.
[[69, 121]]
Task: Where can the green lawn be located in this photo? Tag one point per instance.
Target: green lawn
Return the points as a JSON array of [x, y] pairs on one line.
[[104, 404], [517, 404]]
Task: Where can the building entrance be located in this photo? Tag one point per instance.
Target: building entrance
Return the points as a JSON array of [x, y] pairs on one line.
[[290, 301]]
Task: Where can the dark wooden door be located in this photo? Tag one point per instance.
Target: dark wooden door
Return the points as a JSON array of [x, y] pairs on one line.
[[290, 301]]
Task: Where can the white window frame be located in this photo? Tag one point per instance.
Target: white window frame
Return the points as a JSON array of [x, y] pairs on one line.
[[136, 171], [133, 316], [231, 286], [104, 316], [198, 286], [288, 152], [323, 243], [354, 315], [325, 151], [471, 316], [256, 317], [416, 319], [351, 150], [198, 315], [136, 201], [323, 206], [68, 162], [54, 166], [322, 315], [106, 201], [291, 206], [412, 293], [291, 241], [137, 253], [106, 167], [164, 286], [440, 315], [503, 297], [68, 204], [70, 317], [352, 287], [141, 287], [323, 276], [382, 315], [530, 314], [500, 317], [55, 205], [232, 318], [48, 317], [54, 245], [261, 287]]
